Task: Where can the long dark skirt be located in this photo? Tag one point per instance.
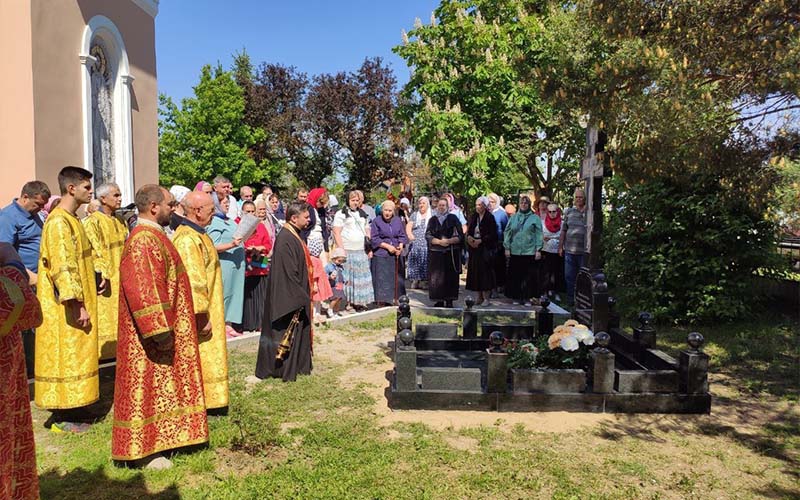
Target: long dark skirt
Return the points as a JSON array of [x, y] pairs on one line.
[[480, 270], [255, 296], [552, 272], [299, 359], [386, 272], [522, 279], [444, 269], [500, 265]]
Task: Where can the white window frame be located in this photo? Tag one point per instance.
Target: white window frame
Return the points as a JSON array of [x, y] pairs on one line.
[[117, 58]]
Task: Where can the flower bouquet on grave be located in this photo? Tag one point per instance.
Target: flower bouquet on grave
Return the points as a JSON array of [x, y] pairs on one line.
[[521, 354], [567, 347]]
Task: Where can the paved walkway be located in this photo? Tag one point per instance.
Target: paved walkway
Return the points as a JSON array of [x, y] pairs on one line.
[[419, 298]]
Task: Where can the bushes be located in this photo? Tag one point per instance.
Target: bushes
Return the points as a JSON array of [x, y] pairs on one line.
[[686, 248]]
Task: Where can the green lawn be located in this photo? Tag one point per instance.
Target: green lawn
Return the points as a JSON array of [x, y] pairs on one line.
[[330, 435]]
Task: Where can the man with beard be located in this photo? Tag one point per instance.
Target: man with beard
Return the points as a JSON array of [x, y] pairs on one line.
[[158, 393], [286, 338], [107, 236]]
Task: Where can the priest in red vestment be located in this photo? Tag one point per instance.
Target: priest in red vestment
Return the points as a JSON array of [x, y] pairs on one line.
[[158, 397], [19, 310]]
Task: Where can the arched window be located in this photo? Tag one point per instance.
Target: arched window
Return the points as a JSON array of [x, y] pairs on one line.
[[106, 80]]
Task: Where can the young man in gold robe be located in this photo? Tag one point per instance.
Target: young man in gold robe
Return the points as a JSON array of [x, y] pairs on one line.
[[158, 392], [107, 236], [66, 363], [202, 264]]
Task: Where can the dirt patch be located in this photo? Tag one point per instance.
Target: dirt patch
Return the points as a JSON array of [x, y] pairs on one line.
[[393, 434], [462, 443], [239, 463]]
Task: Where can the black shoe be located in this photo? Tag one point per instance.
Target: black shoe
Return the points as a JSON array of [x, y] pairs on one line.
[[439, 304], [449, 304]]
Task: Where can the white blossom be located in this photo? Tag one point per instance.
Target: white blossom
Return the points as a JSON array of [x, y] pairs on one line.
[[583, 335], [570, 343]]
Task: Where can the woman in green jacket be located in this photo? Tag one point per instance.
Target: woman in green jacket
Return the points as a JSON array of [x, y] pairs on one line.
[[522, 240]]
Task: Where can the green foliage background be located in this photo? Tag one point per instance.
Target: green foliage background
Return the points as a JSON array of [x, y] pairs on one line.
[[206, 136]]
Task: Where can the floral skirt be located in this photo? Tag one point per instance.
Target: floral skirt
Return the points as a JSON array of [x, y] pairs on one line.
[[358, 278], [418, 260]]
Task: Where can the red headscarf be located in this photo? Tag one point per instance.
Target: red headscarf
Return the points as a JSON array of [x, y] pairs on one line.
[[553, 225], [314, 195]]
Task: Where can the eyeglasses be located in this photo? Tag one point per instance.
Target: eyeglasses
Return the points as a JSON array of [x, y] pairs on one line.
[[552, 211]]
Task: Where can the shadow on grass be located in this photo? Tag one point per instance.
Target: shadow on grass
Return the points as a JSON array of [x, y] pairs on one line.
[[81, 484], [755, 425]]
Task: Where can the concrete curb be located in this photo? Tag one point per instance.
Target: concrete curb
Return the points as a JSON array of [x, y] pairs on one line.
[[252, 337]]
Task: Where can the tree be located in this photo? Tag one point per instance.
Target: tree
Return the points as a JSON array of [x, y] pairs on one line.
[[473, 107], [354, 113], [206, 136], [677, 86]]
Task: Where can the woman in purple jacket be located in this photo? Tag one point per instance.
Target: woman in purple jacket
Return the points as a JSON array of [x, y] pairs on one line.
[[388, 267]]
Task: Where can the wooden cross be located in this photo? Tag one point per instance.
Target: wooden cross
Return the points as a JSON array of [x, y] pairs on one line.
[[592, 173]]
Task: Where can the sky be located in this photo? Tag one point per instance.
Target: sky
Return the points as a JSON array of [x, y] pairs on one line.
[[316, 36]]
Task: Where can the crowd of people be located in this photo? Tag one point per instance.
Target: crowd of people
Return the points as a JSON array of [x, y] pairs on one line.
[[163, 290]]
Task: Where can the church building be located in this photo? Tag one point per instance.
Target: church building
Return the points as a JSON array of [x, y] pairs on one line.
[[78, 87]]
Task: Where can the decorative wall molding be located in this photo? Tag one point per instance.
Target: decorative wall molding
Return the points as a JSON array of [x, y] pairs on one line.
[[105, 29]]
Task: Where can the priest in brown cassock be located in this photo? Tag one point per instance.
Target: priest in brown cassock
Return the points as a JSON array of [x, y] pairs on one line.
[[284, 350], [19, 310], [158, 396]]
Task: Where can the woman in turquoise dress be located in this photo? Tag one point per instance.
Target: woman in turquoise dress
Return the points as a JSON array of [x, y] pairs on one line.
[[232, 261]]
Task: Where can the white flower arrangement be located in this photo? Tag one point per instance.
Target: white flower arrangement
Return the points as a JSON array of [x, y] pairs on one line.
[[570, 336]]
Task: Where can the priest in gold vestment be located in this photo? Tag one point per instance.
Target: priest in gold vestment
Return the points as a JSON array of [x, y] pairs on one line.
[[19, 310], [158, 393], [66, 344], [202, 265], [107, 236]]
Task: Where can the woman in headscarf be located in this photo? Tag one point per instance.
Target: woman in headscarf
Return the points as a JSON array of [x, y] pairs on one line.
[[319, 232], [204, 186], [49, 206], [541, 207], [444, 236], [388, 239], [552, 262], [404, 210], [274, 214], [317, 247], [523, 244], [481, 244], [351, 231], [232, 261], [455, 210], [418, 254], [262, 212], [177, 216]]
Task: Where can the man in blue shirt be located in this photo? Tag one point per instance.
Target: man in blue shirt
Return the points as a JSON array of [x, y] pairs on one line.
[[21, 226]]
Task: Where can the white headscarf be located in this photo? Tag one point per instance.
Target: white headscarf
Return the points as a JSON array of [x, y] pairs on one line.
[[179, 192], [424, 218]]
